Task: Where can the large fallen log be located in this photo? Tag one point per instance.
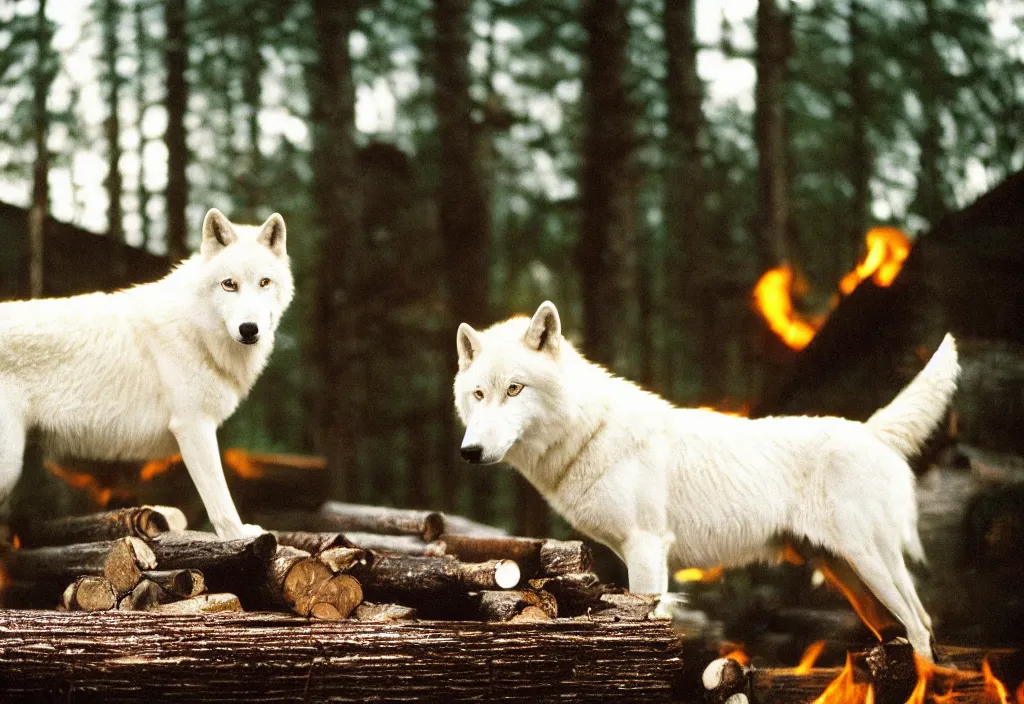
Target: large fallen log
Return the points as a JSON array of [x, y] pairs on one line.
[[139, 521], [344, 517], [129, 657]]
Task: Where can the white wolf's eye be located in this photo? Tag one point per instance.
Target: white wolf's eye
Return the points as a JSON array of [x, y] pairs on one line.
[[229, 285], [514, 388], [264, 282], [478, 395]]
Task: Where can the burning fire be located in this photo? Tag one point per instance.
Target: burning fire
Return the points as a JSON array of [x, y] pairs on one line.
[[738, 655], [994, 689], [158, 466], [810, 657], [772, 294], [844, 690], [100, 495], [887, 248], [692, 574]]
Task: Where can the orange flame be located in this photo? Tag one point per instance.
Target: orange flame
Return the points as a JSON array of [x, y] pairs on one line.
[[738, 655], [810, 657], [887, 249], [15, 542], [994, 689], [790, 555], [772, 295], [692, 574], [158, 466], [241, 463], [843, 689], [1019, 694], [928, 676], [101, 495]]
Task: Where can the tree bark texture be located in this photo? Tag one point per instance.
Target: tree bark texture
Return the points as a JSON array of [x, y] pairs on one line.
[[176, 102], [338, 205], [773, 44], [110, 23], [40, 206], [607, 253], [129, 657]]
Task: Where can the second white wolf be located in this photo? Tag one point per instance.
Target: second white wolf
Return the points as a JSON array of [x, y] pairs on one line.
[[667, 488], [150, 370]]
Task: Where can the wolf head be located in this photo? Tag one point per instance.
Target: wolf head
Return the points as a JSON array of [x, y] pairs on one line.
[[247, 274], [509, 383]]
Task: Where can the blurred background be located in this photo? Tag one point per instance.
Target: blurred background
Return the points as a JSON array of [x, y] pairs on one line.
[[642, 163]]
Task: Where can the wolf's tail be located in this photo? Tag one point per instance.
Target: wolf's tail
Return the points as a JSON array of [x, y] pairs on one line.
[[906, 423]]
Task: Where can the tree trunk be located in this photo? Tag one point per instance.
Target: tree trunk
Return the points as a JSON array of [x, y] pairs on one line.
[[131, 657], [770, 134], [142, 47], [861, 154], [176, 61], [110, 21], [930, 203], [693, 261], [338, 205], [607, 251], [463, 215], [41, 171]]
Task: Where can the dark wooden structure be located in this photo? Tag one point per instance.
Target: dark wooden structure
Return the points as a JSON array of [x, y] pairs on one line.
[[75, 260]]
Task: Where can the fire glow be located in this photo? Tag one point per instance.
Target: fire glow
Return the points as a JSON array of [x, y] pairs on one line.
[[692, 574], [845, 690], [887, 249]]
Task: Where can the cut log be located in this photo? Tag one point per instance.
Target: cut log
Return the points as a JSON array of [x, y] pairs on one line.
[[535, 557], [119, 561], [182, 584], [398, 544], [337, 598], [203, 604], [313, 543], [90, 594], [380, 519], [240, 567], [132, 657], [145, 596], [140, 522], [297, 578], [507, 605], [401, 578], [175, 517], [577, 594]]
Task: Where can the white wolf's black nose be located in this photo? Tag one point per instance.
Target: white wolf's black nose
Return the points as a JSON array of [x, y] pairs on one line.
[[249, 332], [472, 453]]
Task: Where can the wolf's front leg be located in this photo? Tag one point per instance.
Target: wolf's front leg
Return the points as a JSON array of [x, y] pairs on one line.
[[197, 440], [647, 561]]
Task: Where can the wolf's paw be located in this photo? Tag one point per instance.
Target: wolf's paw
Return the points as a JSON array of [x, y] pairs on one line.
[[250, 530], [235, 531], [668, 605]]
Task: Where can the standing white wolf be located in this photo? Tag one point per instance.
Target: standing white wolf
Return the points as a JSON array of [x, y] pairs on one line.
[[152, 369], [666, 487]]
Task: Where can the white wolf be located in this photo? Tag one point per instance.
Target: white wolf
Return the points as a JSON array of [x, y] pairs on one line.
[[152, 369], [666, 487]]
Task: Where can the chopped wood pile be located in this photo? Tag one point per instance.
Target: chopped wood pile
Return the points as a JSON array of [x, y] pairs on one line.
[[376, 564]]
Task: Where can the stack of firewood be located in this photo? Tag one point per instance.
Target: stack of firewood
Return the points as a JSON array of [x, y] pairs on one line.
[[407, 564]]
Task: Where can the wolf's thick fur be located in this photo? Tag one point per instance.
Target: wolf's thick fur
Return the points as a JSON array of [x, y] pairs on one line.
[[666, 487], [152, 369]]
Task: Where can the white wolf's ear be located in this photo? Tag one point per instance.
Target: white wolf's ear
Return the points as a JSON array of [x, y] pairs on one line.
[[272, 235], [545, 331], [217, 232], [468, 342]]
